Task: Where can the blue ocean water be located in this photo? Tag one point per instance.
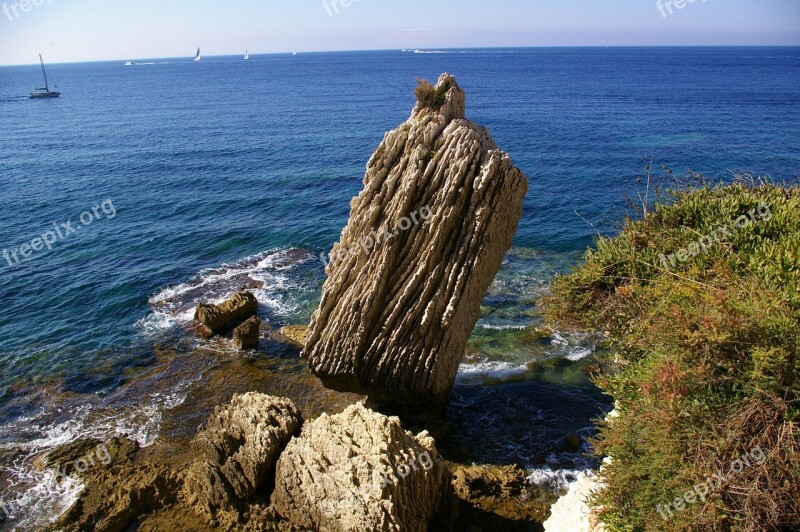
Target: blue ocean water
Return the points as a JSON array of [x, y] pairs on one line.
[[230, 171]]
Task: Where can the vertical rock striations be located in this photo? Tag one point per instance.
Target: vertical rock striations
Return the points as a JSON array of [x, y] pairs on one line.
[[359, 470], [424, 241], [238, 449]]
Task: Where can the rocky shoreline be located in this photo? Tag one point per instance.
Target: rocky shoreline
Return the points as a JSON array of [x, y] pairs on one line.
[[404, 287], [251, 467]]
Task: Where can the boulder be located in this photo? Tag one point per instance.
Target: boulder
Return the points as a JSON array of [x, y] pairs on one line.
[[218, 318], [359, 470], [425, 238], [294, 335], [246, 335], [237, 450]]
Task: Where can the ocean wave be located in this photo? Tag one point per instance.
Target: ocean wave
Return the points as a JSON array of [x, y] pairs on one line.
[[35, 496], [269, 276], [470, 52], [507, 327], [490, 370], [554, 479], [572, 347]]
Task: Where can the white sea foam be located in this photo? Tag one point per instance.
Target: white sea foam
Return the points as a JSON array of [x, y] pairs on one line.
[[573, 348], [578, 353], [267, 275], [489, 370], [554, 479], [38, 497], [497, 327]]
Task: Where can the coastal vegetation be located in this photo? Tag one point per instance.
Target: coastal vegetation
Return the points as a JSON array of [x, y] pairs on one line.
[[700, 304], [431, 96]]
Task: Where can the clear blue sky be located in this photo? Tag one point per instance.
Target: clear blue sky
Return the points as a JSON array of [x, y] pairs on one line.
[[88, 30]]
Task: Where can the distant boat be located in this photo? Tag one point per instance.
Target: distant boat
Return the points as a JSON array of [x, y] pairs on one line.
[[128, 63], [45, 91], [294, 53], [246, 55], [197, 55]]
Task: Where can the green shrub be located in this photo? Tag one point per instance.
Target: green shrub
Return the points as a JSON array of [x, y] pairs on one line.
[[428, 96], [706, 363]]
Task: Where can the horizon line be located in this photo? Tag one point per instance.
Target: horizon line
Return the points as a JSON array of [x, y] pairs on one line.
[[355, 50]]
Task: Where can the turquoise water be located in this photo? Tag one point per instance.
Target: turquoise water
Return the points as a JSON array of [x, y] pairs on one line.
[[228, 173]]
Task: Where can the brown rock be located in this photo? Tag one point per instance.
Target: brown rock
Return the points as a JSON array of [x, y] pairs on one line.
[[237, 449], [203, 331], [217, 318], [494, 497], [113, 500], [246, 335], [82, 456], [573, 442], [474, 482], [359, 470], [295, 335], [424, 241]]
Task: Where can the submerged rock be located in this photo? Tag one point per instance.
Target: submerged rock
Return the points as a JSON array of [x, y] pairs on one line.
[[474, 482], [113, 499], [495, 497], [360, 470], [424, 241], [216, 319], [294, 335], [237, 449], [82, 456], [246, 335]]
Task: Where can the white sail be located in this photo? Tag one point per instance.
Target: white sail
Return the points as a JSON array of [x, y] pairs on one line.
[[197, 56], [246, 55]]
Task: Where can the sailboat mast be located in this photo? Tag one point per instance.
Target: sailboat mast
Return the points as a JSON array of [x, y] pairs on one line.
[[44, 73]]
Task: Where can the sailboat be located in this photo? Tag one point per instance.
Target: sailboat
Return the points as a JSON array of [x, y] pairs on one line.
[[45, 91], [197, 55], [246, 55]]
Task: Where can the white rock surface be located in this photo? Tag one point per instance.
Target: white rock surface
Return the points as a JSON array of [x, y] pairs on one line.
[[571, 513], [359, 470]]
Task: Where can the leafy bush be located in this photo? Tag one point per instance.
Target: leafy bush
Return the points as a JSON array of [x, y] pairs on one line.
[[706, 362]]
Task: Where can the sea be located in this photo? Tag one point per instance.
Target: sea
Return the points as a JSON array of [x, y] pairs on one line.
[[145, 189]]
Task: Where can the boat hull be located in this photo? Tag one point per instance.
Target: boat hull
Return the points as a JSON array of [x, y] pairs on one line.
[[43, 95]]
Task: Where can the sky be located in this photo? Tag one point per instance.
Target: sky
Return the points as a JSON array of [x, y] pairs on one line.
[[94, 30]]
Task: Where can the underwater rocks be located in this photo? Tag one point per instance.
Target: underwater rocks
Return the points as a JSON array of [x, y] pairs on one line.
[[237, 451], [425, 238], [216, 319], [497, 497], [294, 335], [117, 491], [81, 456], [114, 499], [359, 470]]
